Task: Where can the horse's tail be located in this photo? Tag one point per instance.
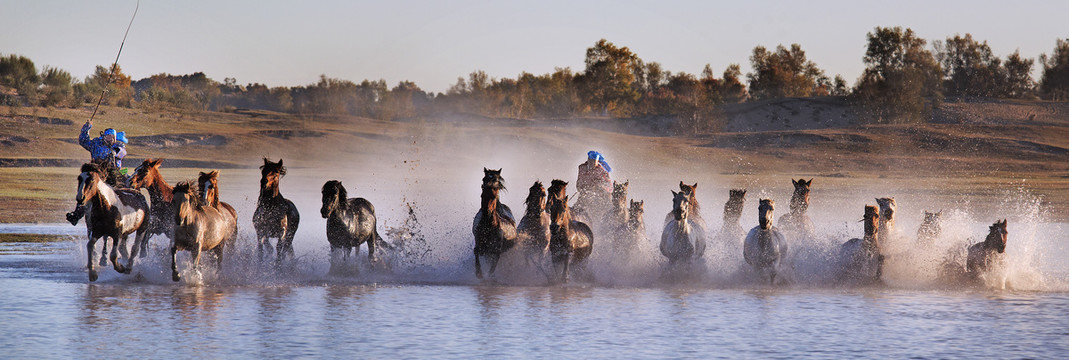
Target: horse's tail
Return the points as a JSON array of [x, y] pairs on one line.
[[379, 241]]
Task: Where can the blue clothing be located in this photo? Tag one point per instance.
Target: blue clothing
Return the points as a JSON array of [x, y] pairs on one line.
[[98, 149], [600, 158]]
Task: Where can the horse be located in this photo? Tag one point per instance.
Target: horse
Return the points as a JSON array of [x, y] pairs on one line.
[[931, 228], [494, 227], [861, 259], [731, 232], [694, 209], [765, 246], [683, 239], [208, 186], [797, 222], [986, 255], [350, 223], [147, 175], [534, 225], [570, 241], [633, 231], [275, 216], [199, 227], [887, 230], [111, 213], [617, 216]]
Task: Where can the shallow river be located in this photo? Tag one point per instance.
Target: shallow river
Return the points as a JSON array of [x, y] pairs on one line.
[[437, 309]]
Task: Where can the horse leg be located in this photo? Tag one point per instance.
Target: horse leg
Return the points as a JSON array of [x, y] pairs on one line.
[[335, 254], [104, 253], [126, 255], [115, 245], [478, 267], [90, 247], [174, 263], [492, 259], [567, 263], [773, 280], [371, 249], [219, 257], [195, 252]]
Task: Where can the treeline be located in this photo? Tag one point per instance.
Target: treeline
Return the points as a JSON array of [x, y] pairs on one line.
[[904, 79]]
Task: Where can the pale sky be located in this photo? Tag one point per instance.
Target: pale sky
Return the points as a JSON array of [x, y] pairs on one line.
[[289, 43]]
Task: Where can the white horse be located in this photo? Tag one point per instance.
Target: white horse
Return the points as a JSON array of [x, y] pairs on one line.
[[765, 247], [111, 213], [887, 232], [683, 239]]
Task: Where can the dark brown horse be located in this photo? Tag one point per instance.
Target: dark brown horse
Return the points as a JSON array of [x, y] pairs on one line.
[[732, 232], [796, 223], [534, 225], [861, 258], [147, 175], [350, 223], [633, 231], [111, 213], [570, 241], [199, 227], [494, 227], [617, 217], [275, 216], [987, 254]]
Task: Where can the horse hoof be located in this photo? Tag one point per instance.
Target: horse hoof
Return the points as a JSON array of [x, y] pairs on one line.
[[175, 277], [92, 275]]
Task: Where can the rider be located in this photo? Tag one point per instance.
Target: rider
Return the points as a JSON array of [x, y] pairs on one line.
[[594, 174], [107, 150]]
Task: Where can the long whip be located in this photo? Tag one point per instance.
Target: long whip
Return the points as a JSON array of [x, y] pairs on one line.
[[115, 64]]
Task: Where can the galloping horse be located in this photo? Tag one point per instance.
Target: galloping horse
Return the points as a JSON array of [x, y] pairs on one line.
[[208, 186], [683, 239], [931, 228], [199, 227], [570, 241], [634, 231], [534, 225], [275, 216], [111, 213], [617, 216], [887, 230], [350, 222], [983, 256], [765, 247], [732, 232], [161, 214], [861, 259], [494, 227], [693, 208], [797, 223]]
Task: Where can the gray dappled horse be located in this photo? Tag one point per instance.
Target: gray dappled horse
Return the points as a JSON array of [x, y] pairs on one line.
[[350, 223], [682, 240], [861, 259], [765, 247]]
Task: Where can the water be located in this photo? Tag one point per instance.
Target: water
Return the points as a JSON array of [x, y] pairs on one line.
[[435, 308]]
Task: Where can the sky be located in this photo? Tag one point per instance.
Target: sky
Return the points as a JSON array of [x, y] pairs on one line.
[[432, 43]]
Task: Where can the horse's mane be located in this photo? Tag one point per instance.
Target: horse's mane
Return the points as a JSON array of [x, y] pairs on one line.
[[535, 194], [188, 187], [92, 167], [274, 167], [557, 188], [338, 188]]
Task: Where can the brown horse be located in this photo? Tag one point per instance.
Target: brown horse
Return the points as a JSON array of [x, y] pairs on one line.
[[494, 227], [111, 213], [570, 241], [931, 228], [208, 186], [732, 232], [861, 258], [633, 231], [617, 217], [534, 225], [796, 223], [985, 255], [275, 216], [694, 210], [199, 227], [350, 223], [147, 175]]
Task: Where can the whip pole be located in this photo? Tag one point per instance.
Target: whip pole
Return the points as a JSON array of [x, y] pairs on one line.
[[115, 64]]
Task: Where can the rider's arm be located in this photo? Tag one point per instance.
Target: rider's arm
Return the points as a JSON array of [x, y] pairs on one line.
[[83, 138]]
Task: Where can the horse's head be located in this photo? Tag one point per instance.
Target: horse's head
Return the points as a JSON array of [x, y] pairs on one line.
[[271, 173], [557, 191], [871, 220], [887, 208], [689, 190], [619, 193], [765, 213], [736, 200], [996, 238], [208, 185], [145, 174], [536, 197], [87, 182], [932, 220], [559, 215], [680, 205], [334, 196], [800, 198], [185, 198], [635, 212], [492, 179]]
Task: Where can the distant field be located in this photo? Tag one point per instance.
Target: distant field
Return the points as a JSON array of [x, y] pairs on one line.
[[1014, 147]]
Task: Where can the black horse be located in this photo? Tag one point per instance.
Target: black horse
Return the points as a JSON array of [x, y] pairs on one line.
[[570, 241], [275, 216], [350, 223]]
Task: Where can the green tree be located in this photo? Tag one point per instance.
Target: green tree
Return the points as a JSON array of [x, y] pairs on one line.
[[20, 73], [57, 87], [1054, 84], [783, 73], [607, 83], [901, 81], [1018, 81], [119, 92], [969, 67]]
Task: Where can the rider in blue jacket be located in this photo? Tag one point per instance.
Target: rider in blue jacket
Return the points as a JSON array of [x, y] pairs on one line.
[[107, 150]]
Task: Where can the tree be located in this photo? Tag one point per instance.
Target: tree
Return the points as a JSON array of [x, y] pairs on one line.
[[119, 92], [783, 73], [607, 84], [57, 86], [1054, 84], [19, 72], [1018, 81], [901, 81], [969, 67]]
